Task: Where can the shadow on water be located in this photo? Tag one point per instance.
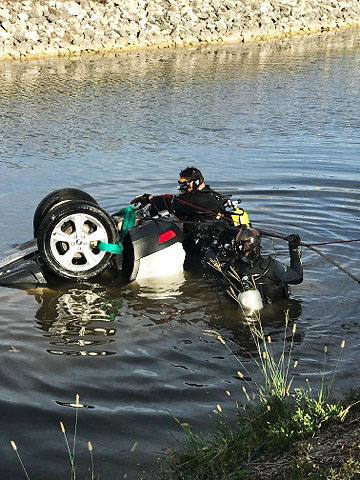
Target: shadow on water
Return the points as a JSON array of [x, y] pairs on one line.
[[274, 318]]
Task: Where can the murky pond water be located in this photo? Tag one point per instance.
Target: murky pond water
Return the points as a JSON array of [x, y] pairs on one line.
[[275, 124]]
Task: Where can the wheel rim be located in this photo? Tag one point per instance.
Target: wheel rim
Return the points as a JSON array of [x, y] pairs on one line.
[[74, 241]]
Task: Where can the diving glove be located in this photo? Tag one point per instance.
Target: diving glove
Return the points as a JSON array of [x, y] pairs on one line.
[[143, 200], [294, 241]]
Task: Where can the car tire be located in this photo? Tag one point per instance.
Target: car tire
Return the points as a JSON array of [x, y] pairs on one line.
[[55, 198], [68, 237]]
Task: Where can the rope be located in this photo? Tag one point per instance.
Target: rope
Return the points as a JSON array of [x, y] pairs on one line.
[[330, 243], [223, 217]]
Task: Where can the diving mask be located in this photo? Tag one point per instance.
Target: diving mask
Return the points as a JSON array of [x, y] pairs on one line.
[[183, 185]]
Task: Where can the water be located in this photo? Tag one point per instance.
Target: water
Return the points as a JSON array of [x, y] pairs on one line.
[[275, 124]]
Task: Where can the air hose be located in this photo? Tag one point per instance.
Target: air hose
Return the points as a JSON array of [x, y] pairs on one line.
[[128, 222]]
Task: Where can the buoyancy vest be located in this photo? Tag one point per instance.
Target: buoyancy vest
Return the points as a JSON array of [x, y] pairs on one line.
[[199, 209], [262, 274], [199, 204]]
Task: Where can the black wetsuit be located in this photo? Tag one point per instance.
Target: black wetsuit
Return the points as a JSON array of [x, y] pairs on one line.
[[200, 208], [194, 205], [270, 276]]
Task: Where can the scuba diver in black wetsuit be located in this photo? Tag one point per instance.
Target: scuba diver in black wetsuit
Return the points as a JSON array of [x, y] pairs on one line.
[[201, 208], [271, 277], [255, 272]]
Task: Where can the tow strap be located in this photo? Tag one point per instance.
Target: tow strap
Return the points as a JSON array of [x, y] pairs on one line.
[[128, 222]]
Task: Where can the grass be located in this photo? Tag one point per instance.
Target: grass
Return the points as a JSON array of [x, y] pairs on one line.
[[276, 421], [14, 447], [71, 451], [304, 467], [278, 433]]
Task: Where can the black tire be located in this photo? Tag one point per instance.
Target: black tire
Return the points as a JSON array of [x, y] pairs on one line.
[[55, 198], [68, 237]]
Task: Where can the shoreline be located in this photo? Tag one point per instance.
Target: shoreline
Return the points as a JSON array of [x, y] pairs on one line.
[[36, 29], [279, 430]]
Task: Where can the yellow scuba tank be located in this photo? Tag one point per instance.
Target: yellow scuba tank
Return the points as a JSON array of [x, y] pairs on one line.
[[240, 217]]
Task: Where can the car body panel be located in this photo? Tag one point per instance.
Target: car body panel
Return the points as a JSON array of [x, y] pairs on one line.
[[144, 256]]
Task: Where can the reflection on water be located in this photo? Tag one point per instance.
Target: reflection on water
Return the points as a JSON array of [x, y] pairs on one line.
[[86, 319], [169, 65], [81, 318], [160, 288], [233, 322], [275, 124], [142, 108]]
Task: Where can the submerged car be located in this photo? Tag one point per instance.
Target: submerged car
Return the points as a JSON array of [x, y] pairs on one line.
[[75, 239]]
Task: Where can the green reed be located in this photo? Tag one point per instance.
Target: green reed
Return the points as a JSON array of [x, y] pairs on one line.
[[273, 417]]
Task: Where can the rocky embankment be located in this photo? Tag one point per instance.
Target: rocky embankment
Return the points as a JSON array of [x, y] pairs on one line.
[[39, 28]]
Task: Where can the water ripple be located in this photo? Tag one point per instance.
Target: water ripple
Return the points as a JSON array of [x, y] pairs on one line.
[[274, 124]]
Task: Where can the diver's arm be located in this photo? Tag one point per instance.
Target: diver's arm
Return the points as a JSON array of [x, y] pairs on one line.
[[293, 274], [296, 265], [295, 256], [184, 206], [162, 202]]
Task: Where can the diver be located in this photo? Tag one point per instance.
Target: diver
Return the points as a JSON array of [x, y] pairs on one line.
[[201, 210], [248, 269]]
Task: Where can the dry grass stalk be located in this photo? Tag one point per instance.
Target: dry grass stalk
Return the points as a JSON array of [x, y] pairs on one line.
[[13, 444], [72, 472], [90, 448]]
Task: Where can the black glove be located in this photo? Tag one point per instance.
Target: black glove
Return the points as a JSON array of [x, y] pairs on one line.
[[141, 199], [294, 241], [210, 254]]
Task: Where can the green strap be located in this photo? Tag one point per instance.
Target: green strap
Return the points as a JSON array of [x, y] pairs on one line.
[[128, 222]]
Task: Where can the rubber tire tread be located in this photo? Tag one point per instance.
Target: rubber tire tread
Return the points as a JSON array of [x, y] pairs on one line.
[[54, 198], [54, 217]]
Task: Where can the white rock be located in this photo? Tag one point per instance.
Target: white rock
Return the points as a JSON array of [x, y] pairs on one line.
[[247, 36], [32, 35], [59, 32], [23, 16], [4, 35], [95, 17], [72, 11], [4, 14], [6, 25], [8, 48], [38, 10], [15, 54]]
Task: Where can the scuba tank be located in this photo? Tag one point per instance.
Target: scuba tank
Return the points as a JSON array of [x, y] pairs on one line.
[[240, 217]]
